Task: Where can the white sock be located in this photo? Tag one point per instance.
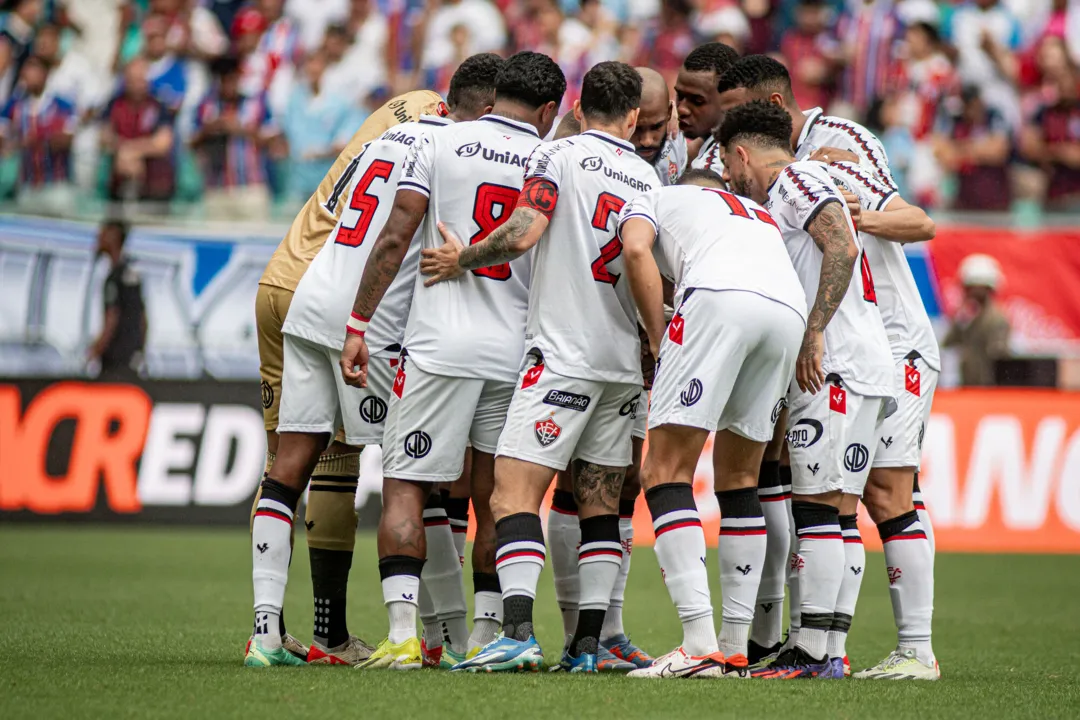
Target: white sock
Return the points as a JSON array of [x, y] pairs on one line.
[[399, 596], [820, 562], [680, 550], [794, 596], [910, 568], [742, 555], [442, 578], [924, 515], [271, 551], [768, 625], [613, 620], [432, 629], [563, 537], [854, 562], [487, 618]]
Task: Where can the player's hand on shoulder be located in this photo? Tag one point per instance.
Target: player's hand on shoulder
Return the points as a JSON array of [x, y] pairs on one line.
[[442, 263], [853, 206], [829, 155], [354, 361], [808, 371]]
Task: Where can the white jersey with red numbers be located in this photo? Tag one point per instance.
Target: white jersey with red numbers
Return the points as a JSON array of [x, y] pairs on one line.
[[671, 160], [906, 323], [856, 348], [712, 239], [325, 294], [472, 326], [710, 157], [823, 130], [581, 315]]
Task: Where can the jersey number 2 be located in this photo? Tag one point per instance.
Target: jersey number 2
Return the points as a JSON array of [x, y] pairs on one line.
[[488, 197], [606, 206], [365, 202]]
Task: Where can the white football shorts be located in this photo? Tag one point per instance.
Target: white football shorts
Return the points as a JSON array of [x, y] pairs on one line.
[[315, 398], [832, 438], [555, 419], [726, 363], [640, 414], [432, 418], [901, 437]]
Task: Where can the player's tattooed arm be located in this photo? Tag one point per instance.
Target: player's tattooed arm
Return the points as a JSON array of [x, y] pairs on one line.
[[638, 236], [389, 250], [899, 222], [832, 234], [516, 236], [597, 486]]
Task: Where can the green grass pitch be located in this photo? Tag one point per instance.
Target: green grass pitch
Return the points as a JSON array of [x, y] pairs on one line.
[[143, 623]]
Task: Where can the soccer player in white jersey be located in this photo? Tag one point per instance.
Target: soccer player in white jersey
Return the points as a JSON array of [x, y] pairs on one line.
[[582, 371], [697, 102], [315, 401], [887, 495], [463, 342], [844, 374], [726, 361]]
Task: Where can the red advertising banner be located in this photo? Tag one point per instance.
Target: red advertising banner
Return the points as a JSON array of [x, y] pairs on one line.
[[1041, 289]]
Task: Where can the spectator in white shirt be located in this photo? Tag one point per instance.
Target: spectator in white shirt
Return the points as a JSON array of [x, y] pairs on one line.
[[315, 16], [484, 22], [987, 36]]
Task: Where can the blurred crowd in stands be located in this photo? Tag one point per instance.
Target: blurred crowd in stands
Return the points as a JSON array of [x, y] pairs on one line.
[[239, 106]]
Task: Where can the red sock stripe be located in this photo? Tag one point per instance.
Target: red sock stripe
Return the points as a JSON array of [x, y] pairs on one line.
[[270, 512], [819, 536], [676, 525], [742, 531], [917, 535], [563, 512], [919, 505], [460, 528], [595, 553], [853, 540], [772, 498], [436, 521], [521, 554]]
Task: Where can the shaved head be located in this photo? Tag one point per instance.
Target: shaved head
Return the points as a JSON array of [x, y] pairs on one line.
[[651, 131]]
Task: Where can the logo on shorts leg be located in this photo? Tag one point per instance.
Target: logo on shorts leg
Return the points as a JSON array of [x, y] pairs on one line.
[[675, 329], [267, 395], [532, 376], [838, 399], [911, 380], [805, 436], [372, 410], [399, 381], [691, 393], [568, 400], [547, 431], [417, 444], [778, 408], [855, 457], [630, 407]]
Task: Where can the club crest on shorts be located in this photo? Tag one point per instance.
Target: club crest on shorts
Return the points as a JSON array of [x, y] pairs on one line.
[[675, 329], [372, 410], [417, 444], [778, 408], [911, 380], [855, 457], [691, 393], [547, 431]]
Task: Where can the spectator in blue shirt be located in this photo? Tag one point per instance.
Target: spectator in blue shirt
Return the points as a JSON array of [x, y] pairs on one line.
[[167, 72], [318, 123]]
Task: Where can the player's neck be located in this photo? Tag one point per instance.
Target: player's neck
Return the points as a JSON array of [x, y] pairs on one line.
[[798, 122], [514, 111], [612, 129], [772, 163]]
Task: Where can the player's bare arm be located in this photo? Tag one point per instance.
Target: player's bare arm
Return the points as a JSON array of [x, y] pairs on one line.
[[509, 241], [381, 269], [646, 284], [899, 222], [833, 237]]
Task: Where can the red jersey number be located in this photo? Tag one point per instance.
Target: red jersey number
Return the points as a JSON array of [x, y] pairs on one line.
[[606, 206], [366, 203], [489, 197], [735, 205]]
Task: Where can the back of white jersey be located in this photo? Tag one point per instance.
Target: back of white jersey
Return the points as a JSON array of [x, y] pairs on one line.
[[713, 239], [671, 160], [855, 344], [710, 157], [472, 326], [581, 314], [324, 296], [906, 323], [823, 130]]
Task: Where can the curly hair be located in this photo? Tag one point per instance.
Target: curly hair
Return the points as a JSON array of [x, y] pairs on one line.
[[610, 90], [759, 122], [472, 88], [710, 57], [758, 74], [532, 79]]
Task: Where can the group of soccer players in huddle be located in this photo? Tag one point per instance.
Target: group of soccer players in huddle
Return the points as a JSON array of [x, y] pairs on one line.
[[496, 311]]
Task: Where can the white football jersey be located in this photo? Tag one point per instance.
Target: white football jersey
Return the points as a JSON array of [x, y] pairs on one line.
[[472, 326], [581, 314], [855, 344], [710, 157], [906, 323], [671, 160], [325, 294], [716, 240], [823, 130]]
